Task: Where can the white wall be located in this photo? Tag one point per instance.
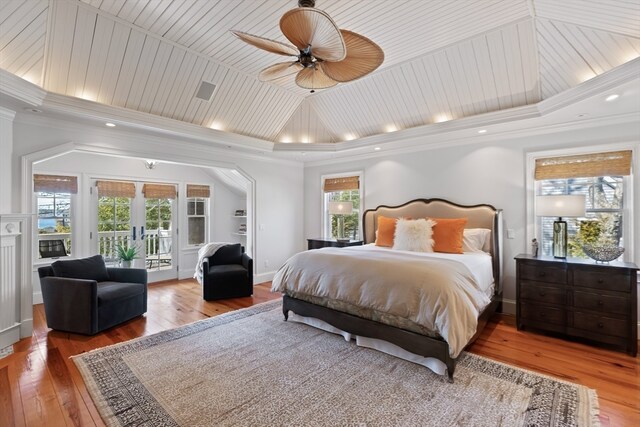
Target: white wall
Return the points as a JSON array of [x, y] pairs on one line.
[[6, 152], [277, 202], [492, 172]]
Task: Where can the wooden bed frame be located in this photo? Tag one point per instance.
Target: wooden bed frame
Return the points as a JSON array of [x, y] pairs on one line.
[[479, 216]]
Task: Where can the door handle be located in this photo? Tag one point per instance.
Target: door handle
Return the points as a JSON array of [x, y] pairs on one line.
[[133, 236], [142, 232]]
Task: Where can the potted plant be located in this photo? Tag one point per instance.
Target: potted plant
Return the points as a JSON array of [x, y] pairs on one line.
[[126, 254]]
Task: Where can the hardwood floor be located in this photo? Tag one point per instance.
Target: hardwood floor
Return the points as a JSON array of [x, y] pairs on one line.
[[40, 385]]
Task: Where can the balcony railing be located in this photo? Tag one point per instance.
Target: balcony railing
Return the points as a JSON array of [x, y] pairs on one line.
[[156, 243]]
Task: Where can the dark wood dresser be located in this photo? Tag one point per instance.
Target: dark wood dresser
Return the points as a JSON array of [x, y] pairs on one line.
[[579, 298], [323, 243]]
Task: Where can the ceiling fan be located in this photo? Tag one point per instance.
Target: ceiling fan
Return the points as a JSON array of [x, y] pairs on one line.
[[326, 55]]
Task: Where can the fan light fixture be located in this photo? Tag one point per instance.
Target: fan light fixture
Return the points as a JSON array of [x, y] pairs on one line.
[[326, 55]]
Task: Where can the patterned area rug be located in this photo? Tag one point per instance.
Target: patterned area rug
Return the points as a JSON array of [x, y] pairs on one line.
[[251, 368]]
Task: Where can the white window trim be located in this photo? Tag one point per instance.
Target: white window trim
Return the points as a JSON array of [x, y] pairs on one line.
[[75, 221], [325, 208], [627, 217], [205, 215]]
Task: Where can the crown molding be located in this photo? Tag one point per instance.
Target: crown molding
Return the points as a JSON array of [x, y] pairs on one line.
[[419, 144], [486, 119], [82, 108], [128, 142], [151, 125], [598, 85], [20, 89]]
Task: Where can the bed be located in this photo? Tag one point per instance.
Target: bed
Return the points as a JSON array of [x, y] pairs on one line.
[[338, 265]]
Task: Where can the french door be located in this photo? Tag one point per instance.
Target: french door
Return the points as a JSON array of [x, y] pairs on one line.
[[141, 216]]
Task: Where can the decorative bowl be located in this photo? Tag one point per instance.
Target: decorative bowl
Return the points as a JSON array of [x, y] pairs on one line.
[[603, 253]]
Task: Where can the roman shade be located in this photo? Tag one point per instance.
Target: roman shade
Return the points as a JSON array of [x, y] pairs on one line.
[[341, 184], [116, 189], [159, 191], [55, 183], [613, 163], [194, 190]]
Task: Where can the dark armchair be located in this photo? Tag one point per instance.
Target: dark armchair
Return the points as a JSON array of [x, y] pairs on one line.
[[85, 297], [228, 273]]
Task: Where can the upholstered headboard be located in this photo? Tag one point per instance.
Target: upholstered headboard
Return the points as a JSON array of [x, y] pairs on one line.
[[479, 216]]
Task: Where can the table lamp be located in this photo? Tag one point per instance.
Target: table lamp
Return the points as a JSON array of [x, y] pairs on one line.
[[340, 209], [560, 206]]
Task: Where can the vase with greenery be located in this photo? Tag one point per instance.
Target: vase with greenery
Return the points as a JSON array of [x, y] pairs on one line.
[[126, 254]]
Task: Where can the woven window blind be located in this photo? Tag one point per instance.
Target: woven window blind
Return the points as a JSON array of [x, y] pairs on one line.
[[614, 163], [55, 183], [341, 184], [116, 189], [194, 190], [159, 191]]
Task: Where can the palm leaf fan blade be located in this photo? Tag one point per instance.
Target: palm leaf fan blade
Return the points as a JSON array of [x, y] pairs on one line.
[[305, 26], [312, 78], [266, 44], [281, 69], [363, 57]]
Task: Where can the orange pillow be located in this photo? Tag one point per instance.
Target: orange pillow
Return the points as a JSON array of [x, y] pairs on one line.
[[386, 231], [448, 234]]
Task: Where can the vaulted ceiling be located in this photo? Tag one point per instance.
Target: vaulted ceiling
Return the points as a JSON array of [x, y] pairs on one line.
[[444, 60]]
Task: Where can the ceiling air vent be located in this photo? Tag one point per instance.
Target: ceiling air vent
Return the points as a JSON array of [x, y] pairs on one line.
[[205, 91]]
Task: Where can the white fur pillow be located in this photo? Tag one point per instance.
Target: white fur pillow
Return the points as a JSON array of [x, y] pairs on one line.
[[414, 235]]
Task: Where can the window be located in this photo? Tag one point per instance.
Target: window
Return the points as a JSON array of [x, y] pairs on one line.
[[342, 189], [197, 199], [601, 179], [114, 225], [603, 224], [114, 216], [54, 196]]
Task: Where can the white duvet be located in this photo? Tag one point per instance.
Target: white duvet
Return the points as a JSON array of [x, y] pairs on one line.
[[442, 293]]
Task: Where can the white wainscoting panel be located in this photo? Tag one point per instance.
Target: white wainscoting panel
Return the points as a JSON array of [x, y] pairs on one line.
[[16, 312]]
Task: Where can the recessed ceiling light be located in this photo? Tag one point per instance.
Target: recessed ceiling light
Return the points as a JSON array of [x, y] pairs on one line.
[[441, 118], [305, 139], [377, 148], [110, 125], [216, 126], [612, 97], [349, 137], [390, 128], [482, 131], [286, 139]]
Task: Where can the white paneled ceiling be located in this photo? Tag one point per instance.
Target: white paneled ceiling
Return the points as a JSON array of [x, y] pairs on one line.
[[444, 59]]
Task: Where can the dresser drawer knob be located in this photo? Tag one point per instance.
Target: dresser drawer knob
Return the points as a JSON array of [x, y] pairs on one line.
[[600, 302], [600, 325], [600, 281], [542, 293]]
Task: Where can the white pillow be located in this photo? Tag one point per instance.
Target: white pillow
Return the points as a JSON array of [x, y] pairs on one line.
[[414, 235], [475, 239]]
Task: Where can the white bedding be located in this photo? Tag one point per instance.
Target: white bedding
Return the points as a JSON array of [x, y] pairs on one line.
[[443, 293]]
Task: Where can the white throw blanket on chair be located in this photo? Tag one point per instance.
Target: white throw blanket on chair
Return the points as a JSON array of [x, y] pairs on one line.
[[204, 252]]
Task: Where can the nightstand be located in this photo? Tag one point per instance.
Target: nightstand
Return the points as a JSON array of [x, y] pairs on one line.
[[579, 298], [324, 243]]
